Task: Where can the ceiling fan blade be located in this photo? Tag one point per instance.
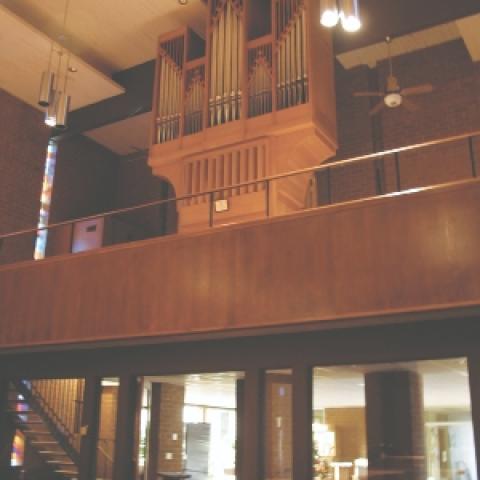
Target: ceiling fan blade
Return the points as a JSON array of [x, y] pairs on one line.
[[418, 89], [377, 108], [409, 105], [368, 94]]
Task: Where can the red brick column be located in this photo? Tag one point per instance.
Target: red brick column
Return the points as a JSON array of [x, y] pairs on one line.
[[395, 426]]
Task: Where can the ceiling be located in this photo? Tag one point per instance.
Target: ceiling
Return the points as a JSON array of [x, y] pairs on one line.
[[125, 137], [445, 384], [465, 28], [24, 54], [381, 18], [111, 35]]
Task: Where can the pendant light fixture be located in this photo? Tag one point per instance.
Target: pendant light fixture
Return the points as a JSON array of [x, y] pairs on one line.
[[329, 13], [54, 95], [345, 11], [350, 15]]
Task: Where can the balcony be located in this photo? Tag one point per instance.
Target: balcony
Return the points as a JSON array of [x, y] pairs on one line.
[[396, 238]]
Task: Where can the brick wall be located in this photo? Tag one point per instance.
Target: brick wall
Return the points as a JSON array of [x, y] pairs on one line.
[[85, 182], [85, 179], [137, 186], [23, 147], [171, 424], [453, 108]]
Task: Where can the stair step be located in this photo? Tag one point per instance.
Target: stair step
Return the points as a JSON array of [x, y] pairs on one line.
[[41, 442], [60, 462], [32, 422], [24, 412], [69, 473], [53, 452], [37, 432], [17, 401]]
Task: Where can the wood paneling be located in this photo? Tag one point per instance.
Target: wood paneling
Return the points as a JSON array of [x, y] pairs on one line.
[[410, 252]]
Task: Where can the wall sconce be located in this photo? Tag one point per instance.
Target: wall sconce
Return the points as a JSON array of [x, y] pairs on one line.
[[345, 11]]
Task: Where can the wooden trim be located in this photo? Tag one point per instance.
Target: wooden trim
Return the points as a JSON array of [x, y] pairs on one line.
[[474, 379], [124, 463], [90, 419], [302, 424], [454, 337], [258, 42], [179, 32], [154, 431], [191, 64], [252, 445]]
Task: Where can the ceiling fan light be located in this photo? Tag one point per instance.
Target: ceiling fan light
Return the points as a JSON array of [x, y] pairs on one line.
[[62, 110], [393, 100], [350, 16], [329, 14], [46, 89]]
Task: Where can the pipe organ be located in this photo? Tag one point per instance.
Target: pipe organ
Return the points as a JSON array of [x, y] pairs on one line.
[[254, 98]]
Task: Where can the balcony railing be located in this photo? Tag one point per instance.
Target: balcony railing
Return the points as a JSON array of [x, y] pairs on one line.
[[401, 170]]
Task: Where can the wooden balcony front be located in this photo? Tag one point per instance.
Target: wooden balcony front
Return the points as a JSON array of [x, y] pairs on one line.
[[415, 251]]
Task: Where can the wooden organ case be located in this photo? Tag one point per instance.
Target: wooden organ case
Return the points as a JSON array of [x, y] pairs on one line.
[[255, 99]]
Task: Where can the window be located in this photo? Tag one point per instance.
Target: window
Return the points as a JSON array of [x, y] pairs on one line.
[[400, 420]]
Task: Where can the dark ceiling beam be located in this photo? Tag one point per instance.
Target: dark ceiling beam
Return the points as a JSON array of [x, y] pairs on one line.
[[137, 99], [382, 18]]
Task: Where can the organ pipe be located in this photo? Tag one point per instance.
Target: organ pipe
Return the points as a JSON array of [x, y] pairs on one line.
[[170, 90], [226, 65], [291, 58]]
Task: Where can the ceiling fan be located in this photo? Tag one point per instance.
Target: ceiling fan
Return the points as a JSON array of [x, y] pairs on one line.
[[394, 96]]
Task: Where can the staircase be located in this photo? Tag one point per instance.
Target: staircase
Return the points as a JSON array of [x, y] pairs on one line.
[[44, 411]]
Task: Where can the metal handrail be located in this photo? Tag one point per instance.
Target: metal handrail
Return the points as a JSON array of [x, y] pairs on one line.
[[266, 180]]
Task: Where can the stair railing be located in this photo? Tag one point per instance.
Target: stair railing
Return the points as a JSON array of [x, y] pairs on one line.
[[62, 400], [59, 431]]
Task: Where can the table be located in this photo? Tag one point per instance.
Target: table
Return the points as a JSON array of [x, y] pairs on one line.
[[173, 475]]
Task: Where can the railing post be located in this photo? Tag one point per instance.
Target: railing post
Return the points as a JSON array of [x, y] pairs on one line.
[[379, 168], [329, 186], [397, 172], [473, 160], [211, 210], [267, 197]]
